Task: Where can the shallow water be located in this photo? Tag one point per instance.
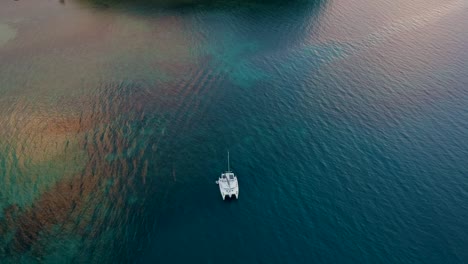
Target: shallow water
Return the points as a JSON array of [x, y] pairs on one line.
[[347, 123]]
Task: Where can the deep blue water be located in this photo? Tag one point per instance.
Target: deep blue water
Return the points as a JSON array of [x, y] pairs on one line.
[[347, 124]]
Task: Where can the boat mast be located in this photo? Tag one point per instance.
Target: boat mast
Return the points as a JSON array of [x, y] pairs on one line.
[[229, 169]]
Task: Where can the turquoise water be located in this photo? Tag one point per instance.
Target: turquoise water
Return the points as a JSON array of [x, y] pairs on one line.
[[347, 124]]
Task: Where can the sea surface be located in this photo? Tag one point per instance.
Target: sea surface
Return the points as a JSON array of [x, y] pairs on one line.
[[346, 121]]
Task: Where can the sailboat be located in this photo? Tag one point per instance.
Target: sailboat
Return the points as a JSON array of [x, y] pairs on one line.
[[228, 185]]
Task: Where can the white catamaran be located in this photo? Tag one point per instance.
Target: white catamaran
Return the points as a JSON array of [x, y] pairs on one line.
[[228, 185]]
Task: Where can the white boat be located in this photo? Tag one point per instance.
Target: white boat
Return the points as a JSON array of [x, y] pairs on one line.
[[228, 185]]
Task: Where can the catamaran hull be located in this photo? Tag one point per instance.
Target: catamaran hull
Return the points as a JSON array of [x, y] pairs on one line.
[[236, 195]]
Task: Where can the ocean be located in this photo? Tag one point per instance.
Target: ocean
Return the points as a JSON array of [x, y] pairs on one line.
[[346, 123]]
